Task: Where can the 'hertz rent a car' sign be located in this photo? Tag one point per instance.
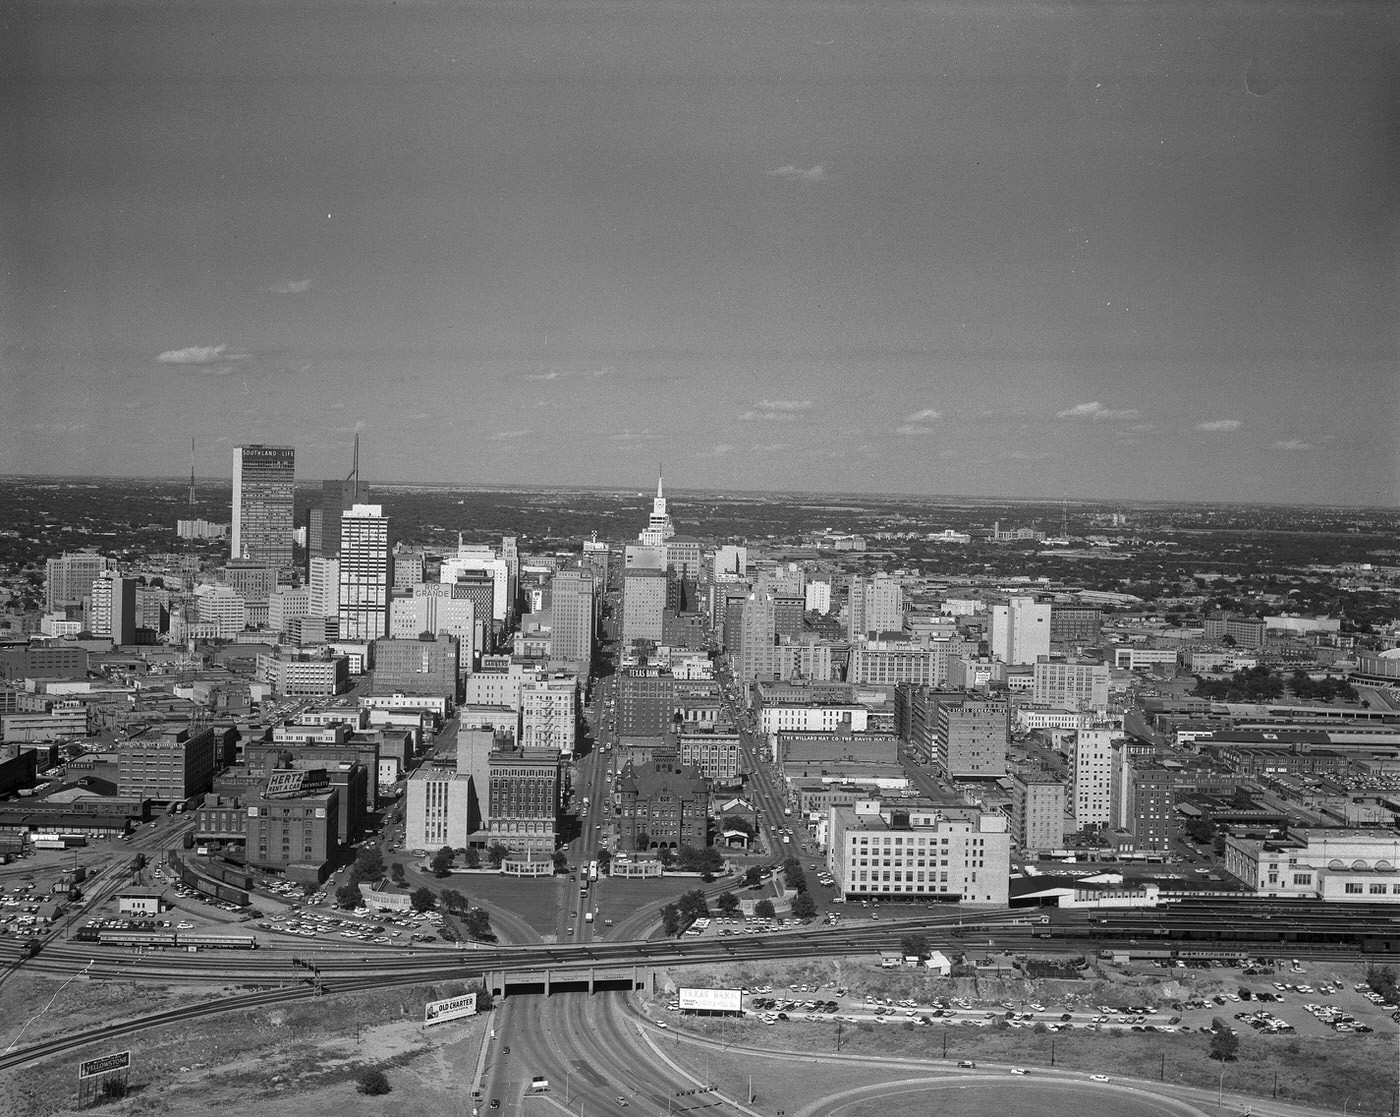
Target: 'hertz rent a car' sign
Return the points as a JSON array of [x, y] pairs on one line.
[[711, 1000]]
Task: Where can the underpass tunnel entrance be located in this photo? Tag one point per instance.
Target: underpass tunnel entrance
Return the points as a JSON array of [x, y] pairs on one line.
[[517, 983]]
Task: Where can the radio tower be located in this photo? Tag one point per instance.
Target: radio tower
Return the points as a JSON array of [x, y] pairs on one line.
[[192, 500]]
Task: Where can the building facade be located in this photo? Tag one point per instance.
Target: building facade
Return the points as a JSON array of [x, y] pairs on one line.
[[362, 598], [262, 504]]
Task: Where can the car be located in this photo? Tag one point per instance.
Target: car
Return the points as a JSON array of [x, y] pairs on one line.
[[660, 1023], [1018, 1070], [495, 1103], [1098, 1078], [622, 1101], [966, 1064]]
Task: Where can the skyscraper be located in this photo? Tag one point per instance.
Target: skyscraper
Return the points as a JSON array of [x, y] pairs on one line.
[[659, 527], [1020, 630], [572, 610], [364, 573], [68, 579], [876, 604], [262, 504]]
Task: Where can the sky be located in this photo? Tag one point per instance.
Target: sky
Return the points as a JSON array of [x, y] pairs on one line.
[[1100, 250]]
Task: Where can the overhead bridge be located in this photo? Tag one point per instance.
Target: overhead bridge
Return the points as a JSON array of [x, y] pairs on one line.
[[566, 979]]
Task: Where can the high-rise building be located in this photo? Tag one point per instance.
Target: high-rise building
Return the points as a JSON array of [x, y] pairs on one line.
[[818, 597], [971, 735], [262, 504], [659, 527], [323, 526], [68, 579], [363, 598], [113, 611], [756, 653], [1037, 811], [421, 666], [549, 713], [572, 607], [324, 584], [1091, 776], [875, 604], [1020, 630], [523, 800], [1070, 686], [643, 605]]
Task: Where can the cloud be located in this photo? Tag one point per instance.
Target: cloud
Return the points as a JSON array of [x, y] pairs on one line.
[[506, 436], [717, 451], [1096, 411], [202, 355], [918, 423], [800, 174], [633, 436], [1221, 425], [568, 373], [290, 287], [776, 409], [926, 415], [1292, 444]]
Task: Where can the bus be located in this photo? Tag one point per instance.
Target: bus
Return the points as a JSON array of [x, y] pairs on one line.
[[593, 870]]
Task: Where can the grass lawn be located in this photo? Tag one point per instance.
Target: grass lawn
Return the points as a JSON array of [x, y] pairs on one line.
[[1312, 1071]]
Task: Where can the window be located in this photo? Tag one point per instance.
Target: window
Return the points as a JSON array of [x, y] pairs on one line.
[[1353, 889], [1302, 878]]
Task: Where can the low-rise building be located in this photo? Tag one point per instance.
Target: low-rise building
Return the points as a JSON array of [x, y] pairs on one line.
[[663, 804], [913, 851], [1340, 866]]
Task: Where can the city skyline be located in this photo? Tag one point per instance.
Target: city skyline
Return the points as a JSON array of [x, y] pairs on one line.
[[1010, 252]]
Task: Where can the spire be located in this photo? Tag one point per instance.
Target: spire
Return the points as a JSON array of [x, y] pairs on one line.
[[659, 493]]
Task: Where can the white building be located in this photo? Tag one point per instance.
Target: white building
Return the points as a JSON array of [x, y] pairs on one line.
[[223, 607], [896, 852], [1020, 630], [437, 808], [875, 604], [363, 597], [1091, 776], [549, 713], [813, 718], [731, 563], [479, 558], [818, 597], [1339, 866], [1071, 686], [324, 584]]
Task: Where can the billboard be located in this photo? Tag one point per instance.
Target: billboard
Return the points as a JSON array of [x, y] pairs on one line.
[[105, 1065], [439, 1012], [711, 1000]]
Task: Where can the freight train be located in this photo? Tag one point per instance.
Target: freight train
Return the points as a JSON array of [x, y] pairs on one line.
[[167, 940]]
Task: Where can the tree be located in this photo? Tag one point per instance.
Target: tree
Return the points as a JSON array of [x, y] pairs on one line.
[[369, 865], [667, 856], [441, 864], [693, 906], [643, 841], [764, 909], [396, 873], [604, 860], [727, 903], [914, 946], [670, 918], [478, 925], [497, 852], [1224, 1045], [372, 1081], [348, 896], [423, 899], [471, 857], [452, 900], [561, 861], [803, 906], [753, 877]]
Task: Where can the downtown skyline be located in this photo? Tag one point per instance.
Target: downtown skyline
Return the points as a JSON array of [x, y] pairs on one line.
[[1005, 252]]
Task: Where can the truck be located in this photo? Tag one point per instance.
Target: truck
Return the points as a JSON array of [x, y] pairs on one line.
[[588, 917], [539, 1083]]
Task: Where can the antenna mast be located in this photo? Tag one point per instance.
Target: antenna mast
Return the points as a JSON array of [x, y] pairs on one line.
[[192, 501], [355, 470]]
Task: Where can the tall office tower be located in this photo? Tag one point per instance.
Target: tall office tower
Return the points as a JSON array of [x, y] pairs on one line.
[[68, 579], [818, 597], [659, 527], [572, 605], [1020, 630], [113, 609], [1037, 811], [364, 573], [324, 583], [731, 562], [510, 555], [875, 605], [1091, 776], [757, 655], [971, 735], [262, 504], [643, 605], [337, 498], [549, 713]]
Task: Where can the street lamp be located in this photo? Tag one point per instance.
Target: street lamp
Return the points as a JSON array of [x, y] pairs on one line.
[[1220, 1091]]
